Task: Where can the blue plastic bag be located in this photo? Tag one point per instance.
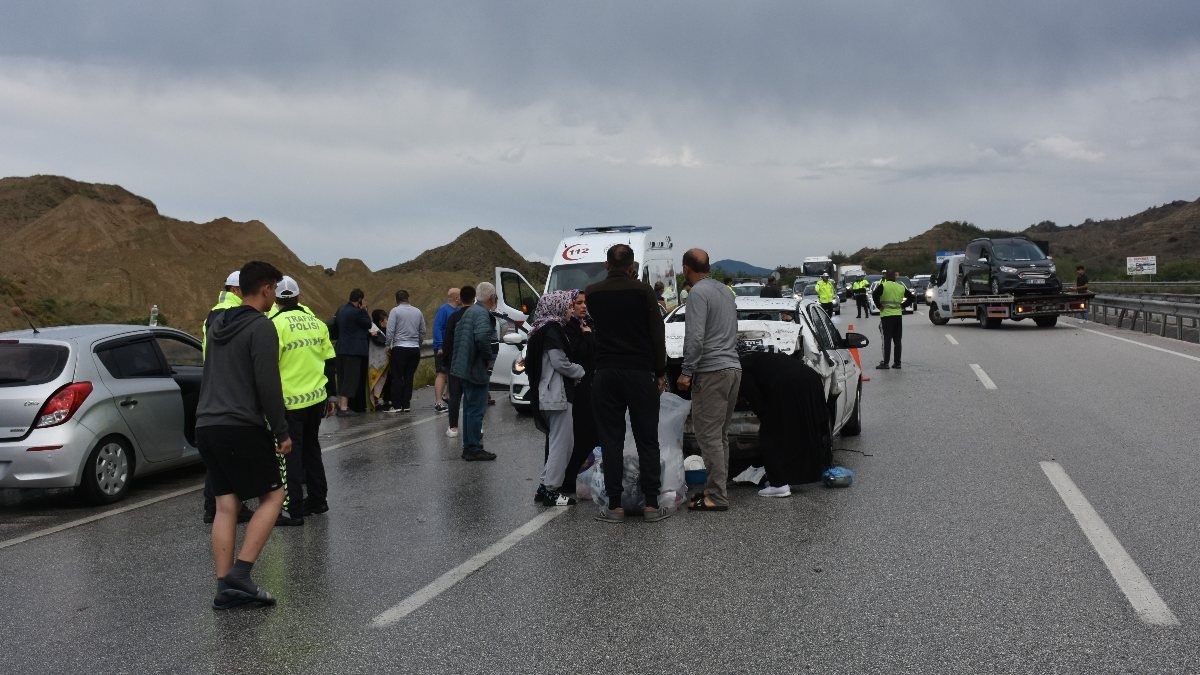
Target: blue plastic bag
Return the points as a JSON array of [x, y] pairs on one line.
[[838, 476]]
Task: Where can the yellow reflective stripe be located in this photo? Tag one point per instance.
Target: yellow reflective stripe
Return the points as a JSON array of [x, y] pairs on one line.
[[315, 396]]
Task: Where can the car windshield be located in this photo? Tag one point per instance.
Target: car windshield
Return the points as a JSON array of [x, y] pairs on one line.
[[748, 290], [810, 289], [1017, 249], [576, 276], [26, 364]]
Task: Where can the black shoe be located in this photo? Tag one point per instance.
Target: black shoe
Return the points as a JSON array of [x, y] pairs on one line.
[[481, 456], [881, 366], [288, 521], [895, 366], [314, 508], [552, 498]]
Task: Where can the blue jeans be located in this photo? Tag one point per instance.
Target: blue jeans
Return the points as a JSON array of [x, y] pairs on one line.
[[474, 401]]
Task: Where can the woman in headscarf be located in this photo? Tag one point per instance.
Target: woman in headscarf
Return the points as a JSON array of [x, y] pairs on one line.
[[377, 362], [583, 352], [552, 378]]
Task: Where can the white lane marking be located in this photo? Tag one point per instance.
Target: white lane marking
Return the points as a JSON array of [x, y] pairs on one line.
[[1141, 344], [1146, 602], [951, 339], [983, 377], [183, 491], [447, 581]]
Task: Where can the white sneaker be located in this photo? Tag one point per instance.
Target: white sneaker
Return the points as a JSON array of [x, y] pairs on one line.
[[771, 491], [452, 433]]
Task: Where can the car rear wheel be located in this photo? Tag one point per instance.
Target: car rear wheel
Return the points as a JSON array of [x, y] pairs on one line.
[[1046, 321], [107, 472], [854, 424]]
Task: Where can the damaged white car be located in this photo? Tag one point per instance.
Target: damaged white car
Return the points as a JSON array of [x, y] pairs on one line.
[[800, 328]]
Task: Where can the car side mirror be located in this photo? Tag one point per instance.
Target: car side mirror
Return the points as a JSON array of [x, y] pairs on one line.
[[983, 259], [513, 339], [855, 341]]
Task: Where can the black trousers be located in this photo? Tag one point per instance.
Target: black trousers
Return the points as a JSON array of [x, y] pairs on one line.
[[455, 387], [583, 422], [404, 365], [305, 468], [614, 392], [863, 309], [893, 333]]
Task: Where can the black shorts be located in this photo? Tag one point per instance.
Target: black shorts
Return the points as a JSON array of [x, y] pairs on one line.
[[439, 363], [240, 460], [350, 369]]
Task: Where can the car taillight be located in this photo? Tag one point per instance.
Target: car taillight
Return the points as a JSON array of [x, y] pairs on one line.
[[63, 404]]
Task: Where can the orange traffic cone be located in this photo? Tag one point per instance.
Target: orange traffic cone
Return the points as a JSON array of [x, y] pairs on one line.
[[854, 353]]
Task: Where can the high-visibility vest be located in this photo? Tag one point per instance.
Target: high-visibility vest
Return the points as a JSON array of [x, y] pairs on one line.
[[825, 291], [303, 349], [891, 300], [860, 287], [226, 300]]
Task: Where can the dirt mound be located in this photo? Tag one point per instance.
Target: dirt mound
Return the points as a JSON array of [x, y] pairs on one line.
[[98, 253]]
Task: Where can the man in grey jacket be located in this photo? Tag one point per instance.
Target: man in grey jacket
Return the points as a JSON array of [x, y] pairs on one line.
[[713, 373], [472, 365], [240, 419]]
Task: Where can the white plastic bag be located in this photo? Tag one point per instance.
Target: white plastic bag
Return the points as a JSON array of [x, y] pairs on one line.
[[672, 413]]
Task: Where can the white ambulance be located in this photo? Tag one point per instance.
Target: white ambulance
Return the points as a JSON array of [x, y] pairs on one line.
[[578, 262]]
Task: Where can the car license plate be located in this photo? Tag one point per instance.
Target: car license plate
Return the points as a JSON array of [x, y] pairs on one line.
[[1035, 281], [744, 344]]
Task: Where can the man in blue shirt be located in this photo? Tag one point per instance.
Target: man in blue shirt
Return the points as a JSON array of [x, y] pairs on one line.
[[439, 333]]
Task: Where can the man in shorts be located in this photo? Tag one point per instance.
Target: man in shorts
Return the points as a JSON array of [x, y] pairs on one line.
[[240, 419], [440, 395]]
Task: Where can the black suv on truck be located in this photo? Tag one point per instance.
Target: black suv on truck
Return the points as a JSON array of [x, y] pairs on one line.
[[1012, 265]]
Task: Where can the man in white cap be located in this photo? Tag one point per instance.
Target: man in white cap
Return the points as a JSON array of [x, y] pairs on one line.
[[306, 363], [825, 293], [230, 297]]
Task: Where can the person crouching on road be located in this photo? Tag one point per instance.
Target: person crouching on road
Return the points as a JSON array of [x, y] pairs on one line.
[[552, 378], [306, 366], [239, 419], [472, 365], [713, 373]]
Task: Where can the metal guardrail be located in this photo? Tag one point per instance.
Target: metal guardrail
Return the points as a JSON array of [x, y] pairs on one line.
[[1178, 319], [1152, 284]]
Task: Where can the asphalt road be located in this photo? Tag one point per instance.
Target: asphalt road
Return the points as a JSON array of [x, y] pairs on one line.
[[953, 551]]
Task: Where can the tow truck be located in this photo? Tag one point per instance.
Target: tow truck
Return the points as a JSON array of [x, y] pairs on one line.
[[952, 299]]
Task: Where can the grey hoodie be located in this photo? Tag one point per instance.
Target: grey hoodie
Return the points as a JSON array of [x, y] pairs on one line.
[[241, 385]]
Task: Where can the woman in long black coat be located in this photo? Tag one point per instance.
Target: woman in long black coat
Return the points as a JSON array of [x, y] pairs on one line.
[[583, 349]]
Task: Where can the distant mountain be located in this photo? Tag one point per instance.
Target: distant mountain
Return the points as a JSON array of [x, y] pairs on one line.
[[741, 269], [87, 253], [1171, 232]]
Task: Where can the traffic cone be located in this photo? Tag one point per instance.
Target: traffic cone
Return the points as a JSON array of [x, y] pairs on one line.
[[854, 353]]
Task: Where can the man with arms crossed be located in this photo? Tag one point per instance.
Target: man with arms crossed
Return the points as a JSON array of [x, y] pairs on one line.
[[713, 372], [239, 421]]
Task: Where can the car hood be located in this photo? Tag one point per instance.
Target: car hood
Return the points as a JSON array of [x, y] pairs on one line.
[[782, 336]]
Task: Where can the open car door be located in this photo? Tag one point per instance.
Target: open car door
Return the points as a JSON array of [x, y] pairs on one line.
[[516, 297]]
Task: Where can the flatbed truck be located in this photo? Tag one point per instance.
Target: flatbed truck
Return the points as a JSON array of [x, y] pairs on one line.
[[951, 299]]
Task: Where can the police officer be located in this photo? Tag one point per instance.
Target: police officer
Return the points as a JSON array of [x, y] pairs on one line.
[[825, 293], [890, 297], [859, 289], [229, 298], [306, 361]]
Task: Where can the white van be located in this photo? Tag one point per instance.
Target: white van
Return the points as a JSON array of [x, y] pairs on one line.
[[578, 262]]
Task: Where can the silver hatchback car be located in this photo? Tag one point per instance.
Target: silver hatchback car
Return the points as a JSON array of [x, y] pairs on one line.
[[91, 407]]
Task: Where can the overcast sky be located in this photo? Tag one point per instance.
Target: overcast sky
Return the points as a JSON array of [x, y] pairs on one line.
[[763, 131]]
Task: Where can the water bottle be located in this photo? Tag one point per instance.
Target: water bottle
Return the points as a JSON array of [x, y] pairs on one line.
[[154, 315]]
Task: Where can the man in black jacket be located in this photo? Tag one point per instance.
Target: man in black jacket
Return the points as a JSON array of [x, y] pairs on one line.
[[353, 345], [240, 419], [631, 366]]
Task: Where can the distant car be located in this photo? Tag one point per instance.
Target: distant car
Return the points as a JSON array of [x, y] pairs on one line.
[[791, 327], [93, 407], [920, 282], [748, 290]]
